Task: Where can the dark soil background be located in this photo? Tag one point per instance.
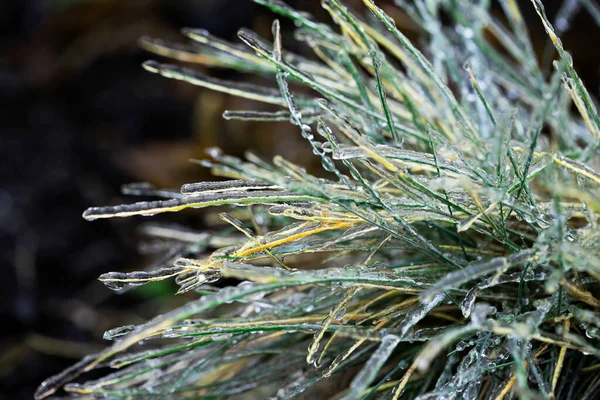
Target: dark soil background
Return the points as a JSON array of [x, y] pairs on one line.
[[78, 118]]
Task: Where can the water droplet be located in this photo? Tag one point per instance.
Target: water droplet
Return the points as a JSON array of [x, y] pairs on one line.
[[339, 314], [114, 333]]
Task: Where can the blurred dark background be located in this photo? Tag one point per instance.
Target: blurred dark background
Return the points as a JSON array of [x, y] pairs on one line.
[[79, 117]]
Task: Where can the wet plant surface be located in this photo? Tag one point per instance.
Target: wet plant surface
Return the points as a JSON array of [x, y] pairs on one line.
[[447, 247]]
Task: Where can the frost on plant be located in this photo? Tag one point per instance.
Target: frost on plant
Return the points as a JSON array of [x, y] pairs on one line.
[[449, 249]]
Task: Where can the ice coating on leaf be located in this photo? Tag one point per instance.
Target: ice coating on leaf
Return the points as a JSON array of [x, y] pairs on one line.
[[114, 333], [149, 208], [275, 116], [364, 378], [467, 305], [231, 185], [418, 313], [246, 90], [449, 249], [146, 189], [479, 269], [119, 280], [173, 232]]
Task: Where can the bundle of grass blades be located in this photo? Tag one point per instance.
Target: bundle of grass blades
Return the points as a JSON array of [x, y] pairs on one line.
[[450, 249]]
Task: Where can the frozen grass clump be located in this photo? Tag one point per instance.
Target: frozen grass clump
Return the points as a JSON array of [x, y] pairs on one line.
[[449, 249]]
